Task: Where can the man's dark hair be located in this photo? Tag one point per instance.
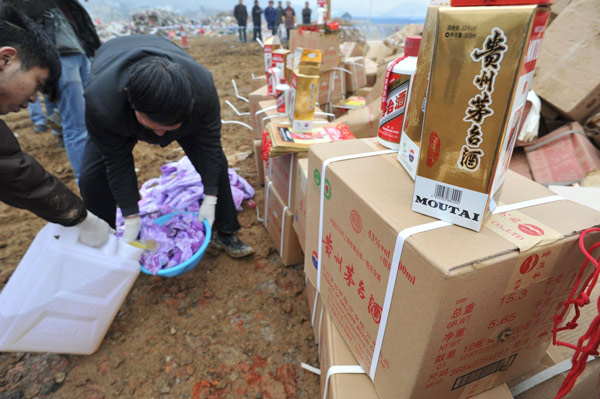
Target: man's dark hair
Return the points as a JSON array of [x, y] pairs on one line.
[[160, 89], [34, 47]]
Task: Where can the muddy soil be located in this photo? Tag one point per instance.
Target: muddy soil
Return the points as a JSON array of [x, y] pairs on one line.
[[227, 329]]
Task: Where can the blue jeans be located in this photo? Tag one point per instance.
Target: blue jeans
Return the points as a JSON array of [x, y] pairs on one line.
[[37, 114], [242, 32], [74, 78]]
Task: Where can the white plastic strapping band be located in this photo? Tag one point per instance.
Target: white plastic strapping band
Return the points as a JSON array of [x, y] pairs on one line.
[[285, 208], [236, 110], [397, 255], [356, 369], [237, 94], [267, 202], [292, 159], [544, 376], [224, 122], [310, 368]]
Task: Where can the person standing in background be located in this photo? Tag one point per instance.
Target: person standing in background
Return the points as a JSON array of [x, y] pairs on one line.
[[72, 31], [306, 11], [241, 16], [271, 17], [256, 20], [290, 19], [280, 15]]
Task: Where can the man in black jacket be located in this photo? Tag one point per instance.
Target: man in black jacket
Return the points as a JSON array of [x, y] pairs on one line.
[[28, 62], [256, 20], [146, 88], [306, 11], [72, 31], [241, 16]]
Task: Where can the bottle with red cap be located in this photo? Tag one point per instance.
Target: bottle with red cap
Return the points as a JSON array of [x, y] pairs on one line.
[[396, 93]]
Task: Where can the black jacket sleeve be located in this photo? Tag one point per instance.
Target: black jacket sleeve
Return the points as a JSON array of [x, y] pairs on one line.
[[32, 8], [25, 184], [117, 155], [203, 147]]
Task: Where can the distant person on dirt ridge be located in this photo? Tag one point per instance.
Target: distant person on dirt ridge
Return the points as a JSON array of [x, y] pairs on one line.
[[280, 14], [29, 62], [290, 19], [241, 16], [256, 20], [271, 17], [72, 31], [306, 11], [145, 88]]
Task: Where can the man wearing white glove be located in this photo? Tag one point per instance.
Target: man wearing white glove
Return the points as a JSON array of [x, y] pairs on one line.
[[29, 60], [147, 88]]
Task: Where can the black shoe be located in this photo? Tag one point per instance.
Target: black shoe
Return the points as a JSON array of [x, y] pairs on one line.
[[231, 244], [60, 142]]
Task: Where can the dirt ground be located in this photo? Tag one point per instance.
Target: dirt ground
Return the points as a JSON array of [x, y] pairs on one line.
[[227, 329]]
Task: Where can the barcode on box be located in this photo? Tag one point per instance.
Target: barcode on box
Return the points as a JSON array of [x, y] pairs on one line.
[[449, 194]]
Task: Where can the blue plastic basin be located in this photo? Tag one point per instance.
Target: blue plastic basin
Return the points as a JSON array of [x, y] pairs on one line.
[[189, 264]]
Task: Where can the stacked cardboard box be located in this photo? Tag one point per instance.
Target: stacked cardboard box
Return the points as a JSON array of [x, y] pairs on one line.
[[464, 311], [567, 69]]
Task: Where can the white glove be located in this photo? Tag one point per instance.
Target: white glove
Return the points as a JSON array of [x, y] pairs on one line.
[[207, 209], [132, 225], [93, 231]]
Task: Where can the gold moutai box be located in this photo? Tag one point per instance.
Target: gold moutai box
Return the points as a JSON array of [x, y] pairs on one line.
[[482, 65]]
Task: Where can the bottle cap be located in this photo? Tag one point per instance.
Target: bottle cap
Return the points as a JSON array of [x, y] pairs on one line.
[[411, 46]]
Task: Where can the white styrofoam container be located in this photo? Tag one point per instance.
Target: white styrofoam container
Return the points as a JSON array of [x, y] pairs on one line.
[[64, 295]]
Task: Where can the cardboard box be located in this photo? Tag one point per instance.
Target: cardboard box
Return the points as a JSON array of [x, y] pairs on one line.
[[567, 73], [316, 311], [278, 221], [260, 171], [371, 71], [258, 82], [329, 43], [565, 160], [493, 51], [332, 87], [254, 99], [363, 122], [266, 109], [457, 293], [282, 173], [353, 49], [519, 164], [410, 138], [299, 204], [378, 51], [587, 385], [333, 351], [357, 77]]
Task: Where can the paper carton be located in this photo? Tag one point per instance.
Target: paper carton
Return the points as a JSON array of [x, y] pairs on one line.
[[329, 43], [278, 221], [282, 173], [258, 82], [353, 49], [280, 60], [465, 311], [357, 77], [363, 122], [332, 87], [564, 160], [254, 98], [567, 73], [481, 70], [333, 351], [371, 68], [519, 164], [299, 195], [260, 171]]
